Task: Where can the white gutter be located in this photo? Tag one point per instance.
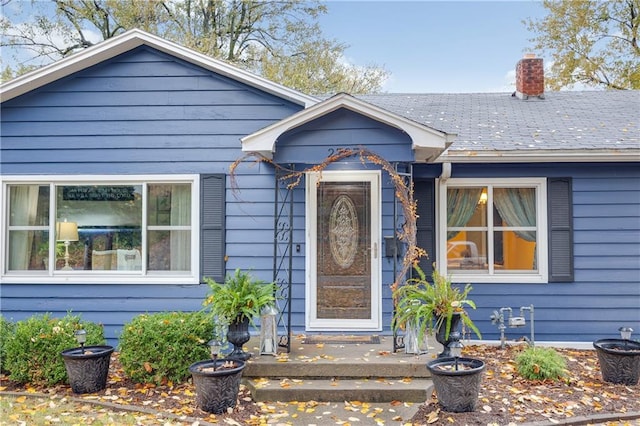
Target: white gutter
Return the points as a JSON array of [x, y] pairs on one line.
[[573, 156]]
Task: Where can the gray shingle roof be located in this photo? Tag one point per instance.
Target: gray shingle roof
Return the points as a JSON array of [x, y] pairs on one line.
[[589, 120]]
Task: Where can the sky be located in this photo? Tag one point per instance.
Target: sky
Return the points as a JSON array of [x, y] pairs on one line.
[[430, 46], [436, 46]]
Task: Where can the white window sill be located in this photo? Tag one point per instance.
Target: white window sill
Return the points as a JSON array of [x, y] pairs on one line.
[[497, 279], [80, 278]]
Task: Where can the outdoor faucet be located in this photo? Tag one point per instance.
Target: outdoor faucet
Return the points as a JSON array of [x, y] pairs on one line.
[[530, 309]]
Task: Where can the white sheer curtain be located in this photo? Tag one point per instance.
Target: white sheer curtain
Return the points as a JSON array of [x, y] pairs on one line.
[[461, 205], [180, 216], [24, 208], [517, 206]]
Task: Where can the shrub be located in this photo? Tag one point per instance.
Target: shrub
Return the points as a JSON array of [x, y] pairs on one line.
[[160, 347], [6, 331], [541, 364], [33, 351]]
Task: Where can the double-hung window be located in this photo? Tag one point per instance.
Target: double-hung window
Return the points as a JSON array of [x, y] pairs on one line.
[[102, 228], [493, 230]]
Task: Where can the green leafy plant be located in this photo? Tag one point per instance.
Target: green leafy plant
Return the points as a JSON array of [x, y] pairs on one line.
[[431, 305], [541, 364], [6, 331], [157, 348], [33, 350], [240, 296], [43, 249]]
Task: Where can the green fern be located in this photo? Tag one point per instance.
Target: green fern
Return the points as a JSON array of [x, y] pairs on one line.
[[240, 296], [432, 305]]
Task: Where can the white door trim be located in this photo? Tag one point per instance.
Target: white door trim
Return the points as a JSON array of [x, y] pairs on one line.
[[312, 323]]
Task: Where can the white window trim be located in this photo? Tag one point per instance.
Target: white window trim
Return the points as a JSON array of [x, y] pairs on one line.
[[539, 277], [113, 277]]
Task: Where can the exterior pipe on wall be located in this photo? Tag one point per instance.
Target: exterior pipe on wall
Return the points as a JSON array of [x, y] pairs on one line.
[[446, 171]]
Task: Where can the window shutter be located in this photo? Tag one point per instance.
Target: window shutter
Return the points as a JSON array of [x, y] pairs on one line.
[[212, 226], [424, 194], [560, 218]]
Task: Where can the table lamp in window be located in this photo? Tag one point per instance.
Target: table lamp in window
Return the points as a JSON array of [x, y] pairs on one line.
[[67, 232]]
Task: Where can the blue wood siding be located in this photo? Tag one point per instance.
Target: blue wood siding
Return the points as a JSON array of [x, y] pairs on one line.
[[605, 293], [143, 112], [148, 113]]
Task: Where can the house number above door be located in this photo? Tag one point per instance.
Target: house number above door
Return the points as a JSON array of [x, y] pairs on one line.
[[343, 231]]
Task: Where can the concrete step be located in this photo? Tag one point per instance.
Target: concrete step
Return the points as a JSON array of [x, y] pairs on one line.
[[335, 372], [330, 368], [321, 390]]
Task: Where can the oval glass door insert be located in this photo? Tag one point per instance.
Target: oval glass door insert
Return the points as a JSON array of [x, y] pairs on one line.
[[343, 231]]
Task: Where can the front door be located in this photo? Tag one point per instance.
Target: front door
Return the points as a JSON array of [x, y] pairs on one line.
[[343, 260]]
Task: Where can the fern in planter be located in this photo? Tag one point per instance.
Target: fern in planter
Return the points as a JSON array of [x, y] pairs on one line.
[[431, 305], [239, 297]]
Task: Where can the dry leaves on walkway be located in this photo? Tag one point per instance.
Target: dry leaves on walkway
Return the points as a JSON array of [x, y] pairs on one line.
[[505, 397]]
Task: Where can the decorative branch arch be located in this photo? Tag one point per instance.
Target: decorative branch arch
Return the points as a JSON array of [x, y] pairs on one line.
[[403, 193]]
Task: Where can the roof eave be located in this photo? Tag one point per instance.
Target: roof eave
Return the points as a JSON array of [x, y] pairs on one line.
[[130, 40], [539, 156], [428, 143]]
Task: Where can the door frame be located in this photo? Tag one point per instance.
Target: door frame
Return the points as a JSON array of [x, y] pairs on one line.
[[312, 323]]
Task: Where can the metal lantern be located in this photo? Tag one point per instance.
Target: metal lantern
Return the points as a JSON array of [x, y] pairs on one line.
[[412, 344], [625, 332], [268, 331]]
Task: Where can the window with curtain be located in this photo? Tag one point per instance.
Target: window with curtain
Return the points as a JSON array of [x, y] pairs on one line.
[[99, 229], [28, 245], [493, 228]]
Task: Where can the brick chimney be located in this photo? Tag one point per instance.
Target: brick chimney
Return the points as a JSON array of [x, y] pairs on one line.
[[529, 77]]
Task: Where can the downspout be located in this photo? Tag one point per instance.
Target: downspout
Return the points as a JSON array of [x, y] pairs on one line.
[[446, 172], [444, 177]]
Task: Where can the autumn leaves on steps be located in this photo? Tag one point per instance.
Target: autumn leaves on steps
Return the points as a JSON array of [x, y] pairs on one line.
[[337, 372]]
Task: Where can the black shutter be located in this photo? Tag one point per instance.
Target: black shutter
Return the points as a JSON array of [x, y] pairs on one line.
[[212, 226], [424, 191], [560, 223]]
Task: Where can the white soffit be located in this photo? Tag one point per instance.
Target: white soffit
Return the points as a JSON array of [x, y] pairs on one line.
[[427, 142], [130, 40]]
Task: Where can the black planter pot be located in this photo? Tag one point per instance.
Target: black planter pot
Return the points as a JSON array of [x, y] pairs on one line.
[[216, 390], [441, 331], [87, 371], [619, 360], [457, 391], [238, 335]]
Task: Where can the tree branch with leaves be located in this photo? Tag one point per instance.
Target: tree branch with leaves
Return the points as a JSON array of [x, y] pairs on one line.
[[280, 40], [594, 43]]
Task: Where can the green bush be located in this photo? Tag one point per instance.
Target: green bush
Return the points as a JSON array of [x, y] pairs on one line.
[[33, 351], [156, 348], [541, 364], [6, 332]]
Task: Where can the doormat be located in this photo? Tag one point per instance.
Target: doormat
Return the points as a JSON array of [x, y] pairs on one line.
[[341, 339]]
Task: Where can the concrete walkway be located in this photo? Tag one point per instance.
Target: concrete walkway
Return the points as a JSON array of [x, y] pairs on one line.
[[337, 413]]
